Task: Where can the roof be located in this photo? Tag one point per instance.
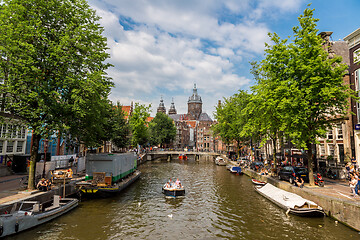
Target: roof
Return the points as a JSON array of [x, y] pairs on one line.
[[340, 48], [204, 117]]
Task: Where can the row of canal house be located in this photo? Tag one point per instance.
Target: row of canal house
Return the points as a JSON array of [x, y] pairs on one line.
[[342, 142]]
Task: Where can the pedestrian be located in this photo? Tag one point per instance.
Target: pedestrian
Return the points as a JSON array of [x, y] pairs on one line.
[[357, 187], [352, 184], [71, 161]]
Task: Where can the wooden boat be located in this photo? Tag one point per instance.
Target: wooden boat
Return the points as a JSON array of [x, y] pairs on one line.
[[290, 202], [257, 182], [237, 170], [30, 214], [220, 161]]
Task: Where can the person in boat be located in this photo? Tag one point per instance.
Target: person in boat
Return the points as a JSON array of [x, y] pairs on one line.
[[42, 185], [299, 182], [177, 182], [167, 185]]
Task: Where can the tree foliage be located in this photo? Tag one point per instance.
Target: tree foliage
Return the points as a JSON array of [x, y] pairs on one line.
[[162, 130], [53, 67], [231, 118], [139, 125], [120, 130], [301, 86]]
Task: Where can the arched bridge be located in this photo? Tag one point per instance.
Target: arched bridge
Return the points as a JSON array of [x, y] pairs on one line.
[[175, 154]]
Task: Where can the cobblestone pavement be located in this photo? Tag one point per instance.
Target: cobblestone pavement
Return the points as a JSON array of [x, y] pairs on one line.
[[335, 188]]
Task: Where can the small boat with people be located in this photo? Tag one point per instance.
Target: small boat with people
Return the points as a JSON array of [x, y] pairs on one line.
[[220, 161], [31, 213], [173, 189], [257, 182], [290, 202]]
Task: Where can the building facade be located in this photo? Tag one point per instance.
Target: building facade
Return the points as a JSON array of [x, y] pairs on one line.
[[353, 42], [193, 129]]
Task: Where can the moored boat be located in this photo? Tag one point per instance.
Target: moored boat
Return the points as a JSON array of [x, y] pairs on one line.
[[290, 202], [220, 161], [257, 182], [237, 170], [108, 174], [31, 214]]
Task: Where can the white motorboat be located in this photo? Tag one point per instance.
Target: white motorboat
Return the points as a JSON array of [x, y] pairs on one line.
[[220, 161], [31, 214]]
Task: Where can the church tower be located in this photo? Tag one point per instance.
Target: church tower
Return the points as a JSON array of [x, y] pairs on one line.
[[194, 105], [172, 109], [161, 107]]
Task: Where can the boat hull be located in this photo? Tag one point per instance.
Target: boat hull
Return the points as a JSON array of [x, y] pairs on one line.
[[173, 192], [23, 220], [103, 192], [257, 182]]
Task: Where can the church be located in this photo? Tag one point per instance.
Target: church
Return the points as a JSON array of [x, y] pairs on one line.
[[192, 128]]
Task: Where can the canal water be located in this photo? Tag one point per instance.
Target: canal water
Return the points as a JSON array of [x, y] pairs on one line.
[[217, 205]]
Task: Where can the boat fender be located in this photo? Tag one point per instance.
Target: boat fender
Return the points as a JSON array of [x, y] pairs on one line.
[[1, 230], [16, 227], [287, 212]]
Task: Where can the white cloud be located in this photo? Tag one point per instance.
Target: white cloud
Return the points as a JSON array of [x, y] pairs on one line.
[[164, 47]]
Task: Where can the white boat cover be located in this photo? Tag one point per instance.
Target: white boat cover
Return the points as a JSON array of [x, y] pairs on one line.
[[288, 199]]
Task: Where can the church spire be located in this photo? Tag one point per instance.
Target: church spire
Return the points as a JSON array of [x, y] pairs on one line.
[[172, 109], [161, 107]]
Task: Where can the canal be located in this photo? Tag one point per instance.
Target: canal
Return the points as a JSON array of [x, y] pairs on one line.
[[217, 205]]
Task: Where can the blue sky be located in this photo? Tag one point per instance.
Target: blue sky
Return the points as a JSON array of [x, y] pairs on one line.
[[162, 47]]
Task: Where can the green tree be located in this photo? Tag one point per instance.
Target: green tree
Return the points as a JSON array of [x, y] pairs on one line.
[[139, 125], [120, 128], [53, 67], [162, 130], [231, 119], [266, 106], [308, 86]]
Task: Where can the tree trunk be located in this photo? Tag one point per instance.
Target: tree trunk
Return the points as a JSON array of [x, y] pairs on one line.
[[33, 157], [274, 155], [310, 164]]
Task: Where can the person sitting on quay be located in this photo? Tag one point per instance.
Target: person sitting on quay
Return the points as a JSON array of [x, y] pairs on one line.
[[42, 185], [264, 171], [48, 184], [299, 182]]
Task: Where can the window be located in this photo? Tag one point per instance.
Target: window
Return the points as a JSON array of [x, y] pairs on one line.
[[331, 149], [322, 149], [19, 146], [10, 147], [1, 146], [339, 131], [330, 134]]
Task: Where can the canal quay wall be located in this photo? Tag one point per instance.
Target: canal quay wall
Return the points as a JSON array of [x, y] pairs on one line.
[[344, 211]]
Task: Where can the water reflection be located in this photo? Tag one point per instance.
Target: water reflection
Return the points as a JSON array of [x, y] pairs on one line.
[[217, 205]]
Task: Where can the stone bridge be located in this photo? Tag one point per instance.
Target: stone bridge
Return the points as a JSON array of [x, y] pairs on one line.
[[169, 155]]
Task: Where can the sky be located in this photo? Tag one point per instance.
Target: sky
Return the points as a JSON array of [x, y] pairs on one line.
[[161, 48]]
